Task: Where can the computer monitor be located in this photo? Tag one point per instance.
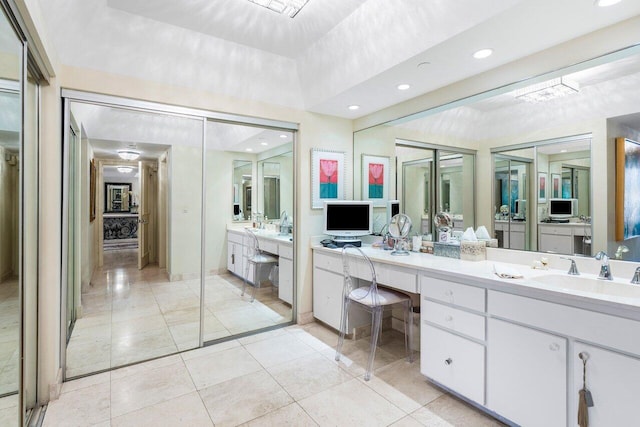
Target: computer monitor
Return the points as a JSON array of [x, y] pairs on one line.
[[521, 208], [393, 209], [563, 208], [346, 220]]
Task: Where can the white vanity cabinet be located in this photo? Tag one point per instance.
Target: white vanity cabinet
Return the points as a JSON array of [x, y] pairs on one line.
[[555, 238], [513, 233], [613, 380], [526, 375], [235, 254], [452, 333], [285, 262]]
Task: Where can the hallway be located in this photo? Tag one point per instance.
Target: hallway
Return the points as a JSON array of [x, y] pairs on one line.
[[283, 377], [130, 315]]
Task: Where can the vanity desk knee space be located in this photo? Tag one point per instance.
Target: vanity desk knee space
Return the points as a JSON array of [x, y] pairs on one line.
[[511, 346], [278, 245]]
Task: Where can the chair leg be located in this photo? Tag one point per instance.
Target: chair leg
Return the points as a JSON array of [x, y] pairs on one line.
[[246, 275], [376, 321], [256, 282], [343, 327], [408, 330]]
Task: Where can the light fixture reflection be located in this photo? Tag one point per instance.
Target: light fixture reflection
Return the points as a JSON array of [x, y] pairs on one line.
[[125, 169], [483, 53], [128, 154], [545, 91], [403, 86], [354, 107]]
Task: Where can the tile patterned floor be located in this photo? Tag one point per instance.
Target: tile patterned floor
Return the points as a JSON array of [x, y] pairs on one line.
[[9, 351], [130, 315], [285, 377]]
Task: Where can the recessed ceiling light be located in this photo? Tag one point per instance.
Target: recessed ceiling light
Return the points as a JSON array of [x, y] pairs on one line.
[[605, 3], [264, 143], [249, 149], [563, 151], [353, 107], [483, 53], [283, 136], [403, 86]]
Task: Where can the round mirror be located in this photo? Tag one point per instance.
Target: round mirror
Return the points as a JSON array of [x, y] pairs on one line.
[[399, 228]]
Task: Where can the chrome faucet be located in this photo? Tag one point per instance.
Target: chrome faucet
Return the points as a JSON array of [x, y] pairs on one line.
[[573, 270], [636, 277], [605, 269]]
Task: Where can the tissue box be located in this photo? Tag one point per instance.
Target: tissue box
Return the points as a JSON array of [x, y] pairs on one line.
[[491, 243], [446, 250], [473, 251]]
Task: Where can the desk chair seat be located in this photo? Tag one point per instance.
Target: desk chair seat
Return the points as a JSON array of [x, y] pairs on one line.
[[257, 259], [373, 300]]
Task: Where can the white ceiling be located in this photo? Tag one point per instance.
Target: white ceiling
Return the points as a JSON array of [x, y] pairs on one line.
[[333, 54]]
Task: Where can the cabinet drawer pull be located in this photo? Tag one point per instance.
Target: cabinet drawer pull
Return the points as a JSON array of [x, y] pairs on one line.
[[554, 347], [449, 361]]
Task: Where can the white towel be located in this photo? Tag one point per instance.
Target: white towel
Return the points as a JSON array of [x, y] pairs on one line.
[[506, 272]]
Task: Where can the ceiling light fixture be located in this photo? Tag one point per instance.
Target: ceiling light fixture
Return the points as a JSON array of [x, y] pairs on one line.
[[354, 107], [125, 169], [545, 91], [249, 149], [284, 7], [403, 86], [606, 3], [128, 154], [264, 143], [483, 53], [563, 151], [283, 136]]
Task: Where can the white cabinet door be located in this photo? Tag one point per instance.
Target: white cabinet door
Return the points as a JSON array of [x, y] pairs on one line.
[[327, 297], [285, 288], [613, 380], [235, 258], [452, 361], [526, 375]]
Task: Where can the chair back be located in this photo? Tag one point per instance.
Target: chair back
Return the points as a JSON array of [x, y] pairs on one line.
[[364, 292], [252, 245]]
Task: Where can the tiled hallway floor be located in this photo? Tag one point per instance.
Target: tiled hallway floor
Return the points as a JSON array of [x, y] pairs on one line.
[[283, 377], [130, 315]]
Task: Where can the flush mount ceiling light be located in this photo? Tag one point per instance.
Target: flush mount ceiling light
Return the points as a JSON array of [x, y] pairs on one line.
[[605, 3], [551, 89], [354, 107], [483, 53], [403, 86], [264, 143], [284, 7], [283, 136], [128, 154], [249, 149], [125, 169]]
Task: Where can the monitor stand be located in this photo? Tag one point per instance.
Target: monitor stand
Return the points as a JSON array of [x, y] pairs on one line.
[[343, 241]]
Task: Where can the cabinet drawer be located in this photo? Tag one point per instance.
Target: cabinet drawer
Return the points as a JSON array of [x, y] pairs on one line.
[[460, 321], [327, 262], [557, 230], [517, 227], [285, 251], [268, 246], [234, 237], [453, 293], [398, 278], [602, 328], [555, 243], [454, 362]]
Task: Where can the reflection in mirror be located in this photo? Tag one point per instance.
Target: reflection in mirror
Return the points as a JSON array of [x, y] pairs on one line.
[[135, 237], [417, 178], [10, 220], [117, 197], [242, 170], [258, 164], [457, 194]]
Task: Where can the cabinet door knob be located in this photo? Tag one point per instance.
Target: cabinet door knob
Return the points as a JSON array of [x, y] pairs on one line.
[[449, 361], [554, 346], [448, 318]]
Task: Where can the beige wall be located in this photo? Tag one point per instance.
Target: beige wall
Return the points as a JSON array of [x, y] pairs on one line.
[[8, 214]]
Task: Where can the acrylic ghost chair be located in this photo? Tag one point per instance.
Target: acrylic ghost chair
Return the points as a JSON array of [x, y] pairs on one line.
[[373, 300], [256, 259]]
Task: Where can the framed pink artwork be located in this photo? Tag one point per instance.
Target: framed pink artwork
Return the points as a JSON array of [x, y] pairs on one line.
[[375, 179], [327, 176]]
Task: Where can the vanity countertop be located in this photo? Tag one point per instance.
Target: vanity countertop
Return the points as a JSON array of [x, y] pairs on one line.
[[554, 285], [119, 215], [264, 234]]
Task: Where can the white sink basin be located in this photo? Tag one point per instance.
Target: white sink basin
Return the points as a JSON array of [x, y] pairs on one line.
[[590, 285]]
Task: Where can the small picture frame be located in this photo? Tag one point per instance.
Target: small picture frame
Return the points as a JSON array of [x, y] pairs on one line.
[[327, 176], [542, 187], [556, 186], [375, 179]]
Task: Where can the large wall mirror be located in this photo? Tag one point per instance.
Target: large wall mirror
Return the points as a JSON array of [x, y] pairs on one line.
[[538, 155], [425, 176]]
